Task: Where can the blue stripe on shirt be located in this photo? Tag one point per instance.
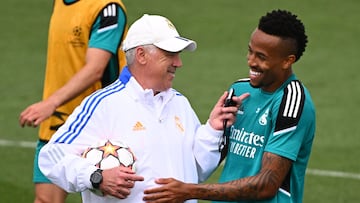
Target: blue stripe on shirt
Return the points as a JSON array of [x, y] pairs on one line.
[[88, 109]]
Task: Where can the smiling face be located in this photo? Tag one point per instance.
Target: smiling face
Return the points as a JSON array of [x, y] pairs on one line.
[[161, 67], [269, 60]]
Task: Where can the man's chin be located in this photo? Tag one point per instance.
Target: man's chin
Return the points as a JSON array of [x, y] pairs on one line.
[[254, 85]]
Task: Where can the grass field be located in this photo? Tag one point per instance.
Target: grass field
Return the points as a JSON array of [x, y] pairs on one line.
[[329, 68]]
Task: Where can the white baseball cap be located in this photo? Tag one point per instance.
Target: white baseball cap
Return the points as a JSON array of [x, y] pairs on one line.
[[156, 30]]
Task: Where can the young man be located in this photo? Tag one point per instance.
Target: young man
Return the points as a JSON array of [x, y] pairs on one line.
[[142, 110], [83, 55], [271, 140]]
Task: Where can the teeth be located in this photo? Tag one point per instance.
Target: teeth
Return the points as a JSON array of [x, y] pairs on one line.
[[254, 73]]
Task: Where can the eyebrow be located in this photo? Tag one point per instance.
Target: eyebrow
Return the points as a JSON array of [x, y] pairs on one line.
[[257, 53]]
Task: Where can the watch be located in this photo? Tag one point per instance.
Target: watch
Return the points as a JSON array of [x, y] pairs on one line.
[[96, 178]]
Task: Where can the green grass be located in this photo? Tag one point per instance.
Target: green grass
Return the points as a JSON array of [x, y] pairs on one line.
[[329, 68]]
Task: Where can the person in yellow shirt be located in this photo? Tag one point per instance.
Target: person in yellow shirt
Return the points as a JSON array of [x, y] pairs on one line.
[[83, 56]]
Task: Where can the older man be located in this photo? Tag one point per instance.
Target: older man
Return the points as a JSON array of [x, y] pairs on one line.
[[142, 110]]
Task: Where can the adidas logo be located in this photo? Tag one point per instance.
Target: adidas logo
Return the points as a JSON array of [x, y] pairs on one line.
[[138, 126]]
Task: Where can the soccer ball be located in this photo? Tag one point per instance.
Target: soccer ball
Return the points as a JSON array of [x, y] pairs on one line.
[[109, 154]]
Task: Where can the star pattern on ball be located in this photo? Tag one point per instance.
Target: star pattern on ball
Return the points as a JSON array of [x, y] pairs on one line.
[[109, 149]]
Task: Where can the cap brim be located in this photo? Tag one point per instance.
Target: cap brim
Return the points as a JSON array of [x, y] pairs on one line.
[[176, 44]]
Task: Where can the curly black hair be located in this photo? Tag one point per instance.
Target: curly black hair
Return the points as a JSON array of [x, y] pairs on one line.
[[284, 24]]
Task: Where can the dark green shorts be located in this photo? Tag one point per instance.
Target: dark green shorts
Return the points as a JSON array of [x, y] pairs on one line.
[[38, 176]]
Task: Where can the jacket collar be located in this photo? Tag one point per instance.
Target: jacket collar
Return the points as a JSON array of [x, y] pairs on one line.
[[145, 95]]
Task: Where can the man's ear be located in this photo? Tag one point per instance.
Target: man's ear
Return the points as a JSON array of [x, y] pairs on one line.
[[289, 61], [140, 54]]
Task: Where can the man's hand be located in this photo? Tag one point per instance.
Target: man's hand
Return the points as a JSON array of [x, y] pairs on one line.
[[118, 181], [221, 113], [170, 191], [36, 113]]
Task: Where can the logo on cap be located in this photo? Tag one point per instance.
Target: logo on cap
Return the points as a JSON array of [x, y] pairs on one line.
[[171, 26]]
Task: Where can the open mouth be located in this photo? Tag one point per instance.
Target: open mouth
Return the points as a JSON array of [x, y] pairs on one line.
[[254, 74]]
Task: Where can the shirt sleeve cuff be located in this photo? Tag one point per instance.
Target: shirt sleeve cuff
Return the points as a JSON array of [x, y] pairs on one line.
[[212, 131], [84, 176]]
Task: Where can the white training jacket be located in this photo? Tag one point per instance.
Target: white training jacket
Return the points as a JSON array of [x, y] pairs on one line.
[[163, 131]]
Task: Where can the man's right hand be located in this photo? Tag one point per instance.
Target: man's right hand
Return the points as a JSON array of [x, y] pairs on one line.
[[36, 113], [118, 181]]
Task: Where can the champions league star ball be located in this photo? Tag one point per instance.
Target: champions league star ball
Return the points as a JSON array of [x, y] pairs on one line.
[[109, 154]]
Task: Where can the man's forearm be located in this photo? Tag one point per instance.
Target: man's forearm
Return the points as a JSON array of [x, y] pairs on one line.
[[241, 189]]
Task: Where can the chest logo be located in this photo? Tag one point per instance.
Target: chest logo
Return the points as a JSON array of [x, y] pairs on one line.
[[138, 126], [263, 118], [240, 110], [179, 124], [77, 38]]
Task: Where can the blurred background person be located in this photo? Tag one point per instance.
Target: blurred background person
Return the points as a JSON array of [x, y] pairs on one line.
[[83, 56]]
